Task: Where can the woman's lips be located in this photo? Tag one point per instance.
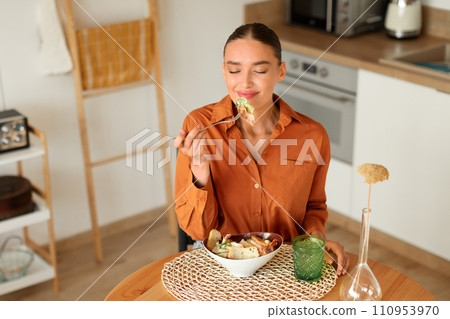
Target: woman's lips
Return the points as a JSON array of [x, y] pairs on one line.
[[248, 94]]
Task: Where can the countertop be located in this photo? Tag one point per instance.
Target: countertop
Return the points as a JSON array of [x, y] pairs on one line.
[[362, 51]]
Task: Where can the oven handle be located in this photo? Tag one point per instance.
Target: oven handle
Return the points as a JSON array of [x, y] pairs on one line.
[[341, 100], [329, 15]]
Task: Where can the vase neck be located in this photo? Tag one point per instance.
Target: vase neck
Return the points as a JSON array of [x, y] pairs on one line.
[[364, 240]]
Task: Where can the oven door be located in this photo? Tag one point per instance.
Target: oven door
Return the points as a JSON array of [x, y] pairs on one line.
[[313, 13], [335, 110]]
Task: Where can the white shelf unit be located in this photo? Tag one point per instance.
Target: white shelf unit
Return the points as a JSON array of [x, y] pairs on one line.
[[21, 155], [41, 214], [39, 271], [44, 265]]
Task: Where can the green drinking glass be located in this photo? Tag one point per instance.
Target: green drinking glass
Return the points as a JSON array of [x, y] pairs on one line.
[[308, 251]]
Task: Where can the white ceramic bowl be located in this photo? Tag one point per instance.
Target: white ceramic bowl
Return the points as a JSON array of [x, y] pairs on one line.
[[246, 267]]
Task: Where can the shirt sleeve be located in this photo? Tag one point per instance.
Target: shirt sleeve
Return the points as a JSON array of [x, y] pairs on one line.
[[316, 211], [196, 208]]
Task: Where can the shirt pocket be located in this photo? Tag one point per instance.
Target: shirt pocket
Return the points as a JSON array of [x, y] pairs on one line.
[[293, 161], [298, 176], [291, 186]]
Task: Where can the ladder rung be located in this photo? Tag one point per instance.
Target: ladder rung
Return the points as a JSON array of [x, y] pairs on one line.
[[113, 159], [41, 251], [97, 92]]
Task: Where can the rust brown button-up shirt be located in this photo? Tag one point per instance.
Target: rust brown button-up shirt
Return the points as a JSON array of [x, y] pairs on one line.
[[282, 191]]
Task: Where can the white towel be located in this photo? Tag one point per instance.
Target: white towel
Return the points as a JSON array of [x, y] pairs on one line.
[[54, 55]]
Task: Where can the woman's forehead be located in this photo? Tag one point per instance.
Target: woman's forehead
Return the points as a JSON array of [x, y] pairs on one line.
[[250, 50]]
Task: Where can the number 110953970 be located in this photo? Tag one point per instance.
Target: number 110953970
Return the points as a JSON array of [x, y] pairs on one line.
[[405, 310]]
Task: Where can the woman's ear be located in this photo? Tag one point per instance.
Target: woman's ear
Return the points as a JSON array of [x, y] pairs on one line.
[[282, 74]]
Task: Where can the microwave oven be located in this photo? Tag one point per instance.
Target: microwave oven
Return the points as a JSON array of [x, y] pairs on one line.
[[342, 17]]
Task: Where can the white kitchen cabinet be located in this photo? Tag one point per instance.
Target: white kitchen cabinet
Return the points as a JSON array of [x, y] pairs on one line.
[[404, 127], [44, 265], [339, 186]]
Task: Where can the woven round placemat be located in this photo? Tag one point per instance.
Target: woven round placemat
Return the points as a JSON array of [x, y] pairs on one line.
[[196, 276]]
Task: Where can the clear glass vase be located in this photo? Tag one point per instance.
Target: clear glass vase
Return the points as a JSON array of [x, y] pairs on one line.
[[360, 283]]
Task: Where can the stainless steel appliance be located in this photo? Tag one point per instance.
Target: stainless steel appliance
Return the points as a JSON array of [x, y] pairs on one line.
[[341, 17], [13, 131], [325, 92]]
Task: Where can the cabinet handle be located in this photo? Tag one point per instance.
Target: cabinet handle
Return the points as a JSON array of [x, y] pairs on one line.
[[341, 100]]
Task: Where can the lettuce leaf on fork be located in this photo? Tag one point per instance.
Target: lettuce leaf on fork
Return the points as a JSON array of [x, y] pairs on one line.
[[246, 110]]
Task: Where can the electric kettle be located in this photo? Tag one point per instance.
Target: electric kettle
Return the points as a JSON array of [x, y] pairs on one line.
[[403, 19]]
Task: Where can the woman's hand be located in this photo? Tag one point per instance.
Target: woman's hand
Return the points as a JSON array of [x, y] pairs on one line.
[[335, 253], [188, 144]]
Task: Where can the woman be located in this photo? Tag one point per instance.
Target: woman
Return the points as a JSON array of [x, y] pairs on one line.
[[240, 178]]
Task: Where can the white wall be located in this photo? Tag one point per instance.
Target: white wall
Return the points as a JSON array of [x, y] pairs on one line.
[[438, 4], [192, 34]]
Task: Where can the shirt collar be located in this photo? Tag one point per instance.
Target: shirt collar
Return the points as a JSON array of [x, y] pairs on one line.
[[224, 109], [286, 112]]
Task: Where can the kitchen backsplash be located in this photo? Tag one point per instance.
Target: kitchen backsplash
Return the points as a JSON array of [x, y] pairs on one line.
[[436, 22], [437, 4]]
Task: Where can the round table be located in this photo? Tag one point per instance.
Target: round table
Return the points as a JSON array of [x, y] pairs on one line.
[[146, 284]]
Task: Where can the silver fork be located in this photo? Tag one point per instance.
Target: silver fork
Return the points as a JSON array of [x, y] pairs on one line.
[[227, 121]]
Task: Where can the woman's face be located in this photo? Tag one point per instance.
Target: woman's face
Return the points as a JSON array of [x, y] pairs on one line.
[[251, 70]]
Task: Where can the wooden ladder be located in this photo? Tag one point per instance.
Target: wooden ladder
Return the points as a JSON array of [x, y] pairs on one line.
[[97, 72]]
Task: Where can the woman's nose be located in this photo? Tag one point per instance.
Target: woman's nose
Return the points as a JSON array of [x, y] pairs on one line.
[[247, 80]]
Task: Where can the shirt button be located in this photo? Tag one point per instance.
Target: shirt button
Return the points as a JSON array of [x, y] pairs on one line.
[[256, 185]]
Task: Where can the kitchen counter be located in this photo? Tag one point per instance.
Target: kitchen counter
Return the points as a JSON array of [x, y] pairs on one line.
[[362, 52]]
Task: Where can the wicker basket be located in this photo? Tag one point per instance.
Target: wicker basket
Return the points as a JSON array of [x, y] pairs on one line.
[[15, 261], [103, 60]]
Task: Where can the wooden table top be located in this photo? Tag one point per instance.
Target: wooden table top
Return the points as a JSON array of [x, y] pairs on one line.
[[146, 284]]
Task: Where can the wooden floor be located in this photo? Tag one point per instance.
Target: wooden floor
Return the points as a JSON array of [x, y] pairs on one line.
[[78, 269]]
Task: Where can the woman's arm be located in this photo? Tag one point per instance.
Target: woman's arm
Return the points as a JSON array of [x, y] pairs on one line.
[[196, 204], [188, 142], [316, 211]]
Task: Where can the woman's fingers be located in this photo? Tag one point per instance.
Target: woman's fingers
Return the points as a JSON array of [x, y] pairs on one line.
[[337, 253], [191, 136], [196, 145], [330, 256], [197, 149], [341, 263], [185, 141], [179, 140]]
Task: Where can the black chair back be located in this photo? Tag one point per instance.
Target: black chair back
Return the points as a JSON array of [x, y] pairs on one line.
[[183, 240]]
